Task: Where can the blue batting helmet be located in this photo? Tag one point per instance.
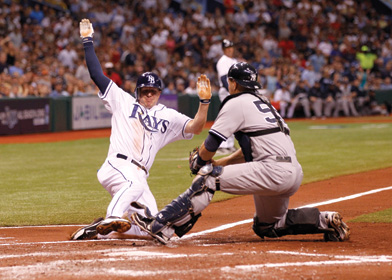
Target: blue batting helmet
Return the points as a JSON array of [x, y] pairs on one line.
[[148, 79]]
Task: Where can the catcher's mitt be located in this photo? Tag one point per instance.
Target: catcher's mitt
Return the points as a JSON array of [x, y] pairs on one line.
[[193, 166]]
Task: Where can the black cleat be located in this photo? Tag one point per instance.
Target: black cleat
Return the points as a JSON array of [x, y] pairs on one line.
[[145, 224], [87, 232]]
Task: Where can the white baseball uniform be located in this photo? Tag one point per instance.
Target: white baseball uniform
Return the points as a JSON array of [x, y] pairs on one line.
[[222, 66], [137, 136]]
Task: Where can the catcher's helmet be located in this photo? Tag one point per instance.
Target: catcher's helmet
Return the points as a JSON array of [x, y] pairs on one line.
[[244, 74], [148, 79]]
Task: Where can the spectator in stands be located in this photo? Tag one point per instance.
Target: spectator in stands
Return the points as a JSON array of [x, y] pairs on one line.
[[366, 58], [36, 15], [111, 74], [386, 83], [272, 78], [82, 72], [5, 90], [309, 76], [15, 69], [58, 90], [283, 97], [3, 62], [317, 60], [191, 88], [68, 57], [169, 89], [180, 86]]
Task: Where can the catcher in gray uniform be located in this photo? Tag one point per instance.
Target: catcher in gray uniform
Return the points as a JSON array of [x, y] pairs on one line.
[[266, 167]]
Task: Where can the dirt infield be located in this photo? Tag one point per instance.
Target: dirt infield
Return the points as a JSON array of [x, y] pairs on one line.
[[232, 251]]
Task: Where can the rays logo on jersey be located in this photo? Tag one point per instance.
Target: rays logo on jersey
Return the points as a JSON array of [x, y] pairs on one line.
[[150, 123]]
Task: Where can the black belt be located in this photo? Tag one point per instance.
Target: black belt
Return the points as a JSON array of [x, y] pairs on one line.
[[268, 131], [283, 159], [133, 161]]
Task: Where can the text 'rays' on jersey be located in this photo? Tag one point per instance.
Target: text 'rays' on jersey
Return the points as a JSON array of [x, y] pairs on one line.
[[150, 123]]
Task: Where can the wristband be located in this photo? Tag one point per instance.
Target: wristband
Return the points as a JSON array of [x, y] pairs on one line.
[[87, 39], [200, 161], [205, 101]]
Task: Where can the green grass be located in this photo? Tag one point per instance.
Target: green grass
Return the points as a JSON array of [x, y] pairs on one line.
[[342, 149], [376, 217], [56, 183]]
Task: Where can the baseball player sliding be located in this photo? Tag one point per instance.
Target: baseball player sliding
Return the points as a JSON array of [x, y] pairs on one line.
[[140, 127], [266, 167]]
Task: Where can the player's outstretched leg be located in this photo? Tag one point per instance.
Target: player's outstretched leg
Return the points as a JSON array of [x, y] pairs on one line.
[[113, 224], [87, 232], [182, 213]]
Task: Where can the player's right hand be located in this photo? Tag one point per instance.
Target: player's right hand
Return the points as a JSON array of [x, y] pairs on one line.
[[204, 88], [86, 28]]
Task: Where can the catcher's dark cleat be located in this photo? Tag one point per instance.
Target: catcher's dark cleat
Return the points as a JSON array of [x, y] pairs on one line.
[[87, 232], [342, 231], [113, 224], [145, 224]]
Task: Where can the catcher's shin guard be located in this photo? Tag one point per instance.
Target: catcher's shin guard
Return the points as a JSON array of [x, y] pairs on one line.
[[298, 221], [182, 213]]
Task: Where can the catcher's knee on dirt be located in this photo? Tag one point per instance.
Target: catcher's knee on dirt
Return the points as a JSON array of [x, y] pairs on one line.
[[182, 213], [298, 221]]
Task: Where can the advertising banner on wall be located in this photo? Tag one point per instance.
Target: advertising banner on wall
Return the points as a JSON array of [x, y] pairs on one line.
[[20, 116], [89, 112]]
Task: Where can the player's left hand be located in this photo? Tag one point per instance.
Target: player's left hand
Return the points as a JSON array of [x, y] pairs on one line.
[[86, 28], [204, 88]]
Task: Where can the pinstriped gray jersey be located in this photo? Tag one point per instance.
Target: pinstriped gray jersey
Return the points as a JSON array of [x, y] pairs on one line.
[[247, 113]]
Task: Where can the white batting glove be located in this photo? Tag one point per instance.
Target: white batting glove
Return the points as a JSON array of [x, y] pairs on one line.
[[86, 28], [204, 89]]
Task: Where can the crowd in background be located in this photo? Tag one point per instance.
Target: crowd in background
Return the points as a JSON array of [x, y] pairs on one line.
[[333, 51]]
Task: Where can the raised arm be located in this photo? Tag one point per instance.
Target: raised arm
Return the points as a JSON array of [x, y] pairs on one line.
[[93, 65], [196, 125]]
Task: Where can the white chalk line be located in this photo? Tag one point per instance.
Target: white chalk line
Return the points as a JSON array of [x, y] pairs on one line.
[[113, 255], [341, 259]]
